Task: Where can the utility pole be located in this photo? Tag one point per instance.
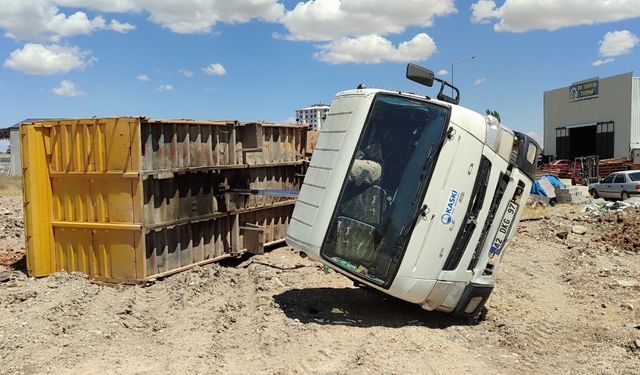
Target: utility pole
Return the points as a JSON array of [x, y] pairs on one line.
[[458, 62]]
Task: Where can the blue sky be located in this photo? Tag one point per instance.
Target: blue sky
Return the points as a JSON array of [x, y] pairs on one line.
[[261, 59]]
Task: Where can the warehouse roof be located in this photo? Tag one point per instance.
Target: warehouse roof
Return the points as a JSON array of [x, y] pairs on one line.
[[5, 133]]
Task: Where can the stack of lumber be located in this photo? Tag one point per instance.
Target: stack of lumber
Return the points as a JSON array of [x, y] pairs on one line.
[[608, 166]]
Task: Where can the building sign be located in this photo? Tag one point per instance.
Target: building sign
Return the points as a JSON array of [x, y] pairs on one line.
[[584, 90]]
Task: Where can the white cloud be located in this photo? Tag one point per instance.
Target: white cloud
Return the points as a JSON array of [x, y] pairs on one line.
[[67, 88], [325, 20], [120, 27], [442, 72], [114, 6], [39, 59], [165, 87], [186, 72], [41, 20], [525, 15], [373, 49], [199, 16], [602, 62], [616, 43], [210, 89], [483, 11], [214, 69], [480, 81], [143, 78]]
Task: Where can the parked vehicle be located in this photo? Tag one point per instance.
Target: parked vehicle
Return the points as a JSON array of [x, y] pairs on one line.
[[618, 185], [560, 164], [415, 197]]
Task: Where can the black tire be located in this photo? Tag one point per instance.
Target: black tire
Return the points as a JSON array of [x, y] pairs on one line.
[[625, 195], [594, 193]]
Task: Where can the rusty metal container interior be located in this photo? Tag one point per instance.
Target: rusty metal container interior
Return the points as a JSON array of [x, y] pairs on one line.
[[133, 199]]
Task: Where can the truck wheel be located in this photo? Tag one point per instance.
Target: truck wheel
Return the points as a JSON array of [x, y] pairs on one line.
[[594, 193], [625, 195]]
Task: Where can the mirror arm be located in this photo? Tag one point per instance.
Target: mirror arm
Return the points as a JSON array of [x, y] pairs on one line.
[[446, 98]]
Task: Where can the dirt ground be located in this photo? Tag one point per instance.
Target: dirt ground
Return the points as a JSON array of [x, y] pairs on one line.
[[565, 303]]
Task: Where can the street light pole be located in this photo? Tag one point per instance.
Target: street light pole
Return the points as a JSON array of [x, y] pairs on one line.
[[458, 62]]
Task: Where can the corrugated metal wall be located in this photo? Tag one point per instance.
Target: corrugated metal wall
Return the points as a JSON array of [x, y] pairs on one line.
[[130, 199], [635, 113], [14, 140]]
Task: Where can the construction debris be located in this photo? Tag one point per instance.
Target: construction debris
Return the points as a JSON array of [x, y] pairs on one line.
[[571, 195], [600, 205]]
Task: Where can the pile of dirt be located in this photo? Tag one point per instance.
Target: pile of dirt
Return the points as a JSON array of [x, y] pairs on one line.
[[567, 301], [11, 231], [622, 230]]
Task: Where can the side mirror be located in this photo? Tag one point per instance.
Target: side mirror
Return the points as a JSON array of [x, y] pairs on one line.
[[420, 75]]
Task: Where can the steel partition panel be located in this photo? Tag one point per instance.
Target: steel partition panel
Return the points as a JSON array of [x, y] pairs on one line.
[[90, 193], [95, 204], [37, 201]]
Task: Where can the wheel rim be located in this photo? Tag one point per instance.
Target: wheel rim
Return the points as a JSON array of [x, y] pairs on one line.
[[625, 196]]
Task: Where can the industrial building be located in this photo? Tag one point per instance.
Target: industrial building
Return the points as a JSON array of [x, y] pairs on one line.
[[596, 116], [12, 133], [313, 116], [13, 166]]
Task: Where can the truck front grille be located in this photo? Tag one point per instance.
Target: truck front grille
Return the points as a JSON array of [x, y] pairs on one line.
[[503, 181], [471, 217]]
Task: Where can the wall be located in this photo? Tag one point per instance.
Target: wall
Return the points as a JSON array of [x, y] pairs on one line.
[[635, 113], [16, 164]]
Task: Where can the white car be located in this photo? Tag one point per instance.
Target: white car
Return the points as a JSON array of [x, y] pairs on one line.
[[618, 185]]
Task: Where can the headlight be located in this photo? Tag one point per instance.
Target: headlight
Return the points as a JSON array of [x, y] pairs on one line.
[[498, 138], [492, 139]]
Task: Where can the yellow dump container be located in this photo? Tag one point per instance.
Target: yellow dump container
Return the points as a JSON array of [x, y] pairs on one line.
[[132, 199]]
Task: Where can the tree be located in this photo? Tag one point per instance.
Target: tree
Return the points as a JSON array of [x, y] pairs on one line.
[[494, 114]]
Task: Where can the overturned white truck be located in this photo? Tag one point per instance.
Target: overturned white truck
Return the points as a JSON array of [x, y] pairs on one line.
[[414, 196]]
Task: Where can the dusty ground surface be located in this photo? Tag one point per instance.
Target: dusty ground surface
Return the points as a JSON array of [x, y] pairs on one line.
[[566, 303]]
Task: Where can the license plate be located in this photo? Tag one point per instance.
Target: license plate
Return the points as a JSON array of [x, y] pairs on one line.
[[503, 230]]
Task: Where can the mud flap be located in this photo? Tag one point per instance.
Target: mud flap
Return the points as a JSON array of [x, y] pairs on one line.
[[473, 300]]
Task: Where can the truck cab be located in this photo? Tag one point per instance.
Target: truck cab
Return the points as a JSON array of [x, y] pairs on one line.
[[414, 196]]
